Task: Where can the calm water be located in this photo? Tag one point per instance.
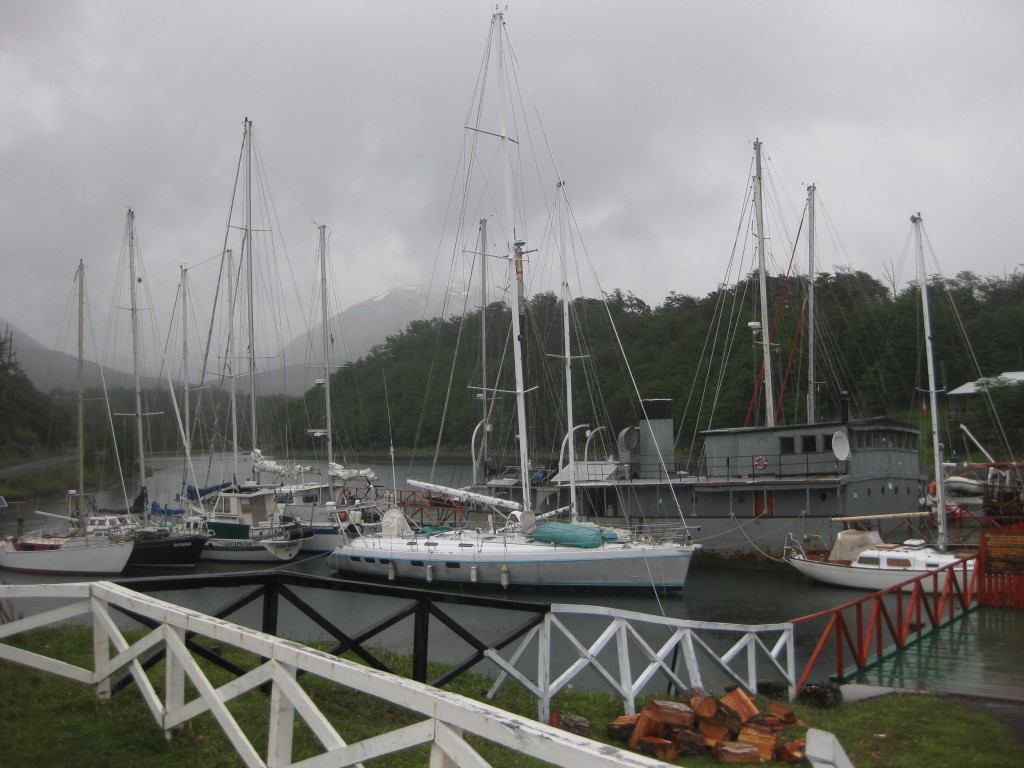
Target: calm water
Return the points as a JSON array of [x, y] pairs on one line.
[[714, 592]]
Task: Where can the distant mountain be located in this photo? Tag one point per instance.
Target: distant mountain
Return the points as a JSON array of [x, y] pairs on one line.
[[357, 330], [49, 369]]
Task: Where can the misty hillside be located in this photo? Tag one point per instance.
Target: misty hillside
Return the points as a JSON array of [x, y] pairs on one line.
[[357, 329]]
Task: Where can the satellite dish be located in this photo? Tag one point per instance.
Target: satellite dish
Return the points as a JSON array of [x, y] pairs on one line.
[[841, 446]]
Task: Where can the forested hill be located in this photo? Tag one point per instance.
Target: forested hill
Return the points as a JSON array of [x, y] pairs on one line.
[[701, 353]]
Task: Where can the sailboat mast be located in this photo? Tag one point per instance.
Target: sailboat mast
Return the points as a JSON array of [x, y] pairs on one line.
[[811, 384], [184, 358], [933, 403], [230, 361], [139, 441], [567, 351], [81, 397], [324, 340], [485, 398], [516, 250], [766, 352], [248, 261]]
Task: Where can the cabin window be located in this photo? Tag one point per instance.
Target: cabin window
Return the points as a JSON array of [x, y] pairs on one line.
[[370, 560], [867, 560], [809, 444], [416, 563], [453, 565], [385, 562], [897, 562], [787, 445], [823, 496]]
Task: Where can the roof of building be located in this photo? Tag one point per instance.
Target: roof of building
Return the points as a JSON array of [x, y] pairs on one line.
[[1003, 379]]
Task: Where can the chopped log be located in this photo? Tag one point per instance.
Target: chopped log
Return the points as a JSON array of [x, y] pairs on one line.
[[713, 732], [705, 707], [621, 728], [771, 721], [572, 723], [824, 696], [736, 753], [744, 706], [663, 749], [646, 726], [781, 711], [761, 737], [792, 751], [671, 713], [690, 742], [692, 695]]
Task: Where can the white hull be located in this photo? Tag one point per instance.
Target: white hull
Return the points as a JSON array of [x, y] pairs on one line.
[[864, 577], [497, 561], [77, 556]]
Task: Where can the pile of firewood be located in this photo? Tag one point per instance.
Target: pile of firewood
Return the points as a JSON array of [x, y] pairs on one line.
[[731, 727]]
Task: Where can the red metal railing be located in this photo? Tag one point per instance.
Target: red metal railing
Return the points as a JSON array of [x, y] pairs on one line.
[[869, 628]]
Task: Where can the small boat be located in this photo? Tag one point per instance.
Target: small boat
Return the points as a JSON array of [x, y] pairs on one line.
[[69, 552], [860, 559]]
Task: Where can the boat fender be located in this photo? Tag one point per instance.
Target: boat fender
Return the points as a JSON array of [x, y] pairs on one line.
[[932, 488], [504, 576]]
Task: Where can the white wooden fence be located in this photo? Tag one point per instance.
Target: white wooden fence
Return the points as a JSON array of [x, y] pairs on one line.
[[447, 718], [625, 650], [671, 648]]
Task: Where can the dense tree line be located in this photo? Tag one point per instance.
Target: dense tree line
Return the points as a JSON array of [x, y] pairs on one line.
[[422, 388]]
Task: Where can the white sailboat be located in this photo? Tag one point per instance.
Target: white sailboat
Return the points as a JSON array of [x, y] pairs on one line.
[[53, 551], [523, 549], [860, 559]]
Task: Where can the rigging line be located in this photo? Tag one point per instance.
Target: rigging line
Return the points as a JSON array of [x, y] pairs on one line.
[[778, 311]]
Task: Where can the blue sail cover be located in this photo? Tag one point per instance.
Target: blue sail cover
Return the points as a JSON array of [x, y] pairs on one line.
[[569, 535]]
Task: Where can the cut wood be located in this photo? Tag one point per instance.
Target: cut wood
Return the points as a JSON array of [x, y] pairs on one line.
[[646, 726], [736, 753], [762, 737], [692, 695], [781, 711], [690, 742], [572, 723], [671, 712], [621, 728], [744, 706], [792, 751], [713, 732], [663, 749]]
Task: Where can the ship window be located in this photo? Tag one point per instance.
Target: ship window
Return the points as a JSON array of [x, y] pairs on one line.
[[869, 491], [823, 496], [416, 563], [809, 444], [883, 490], [867, 560], [787, 445], [453, 565], [897, 562], [355, 559], [370, 560], [384, 562]]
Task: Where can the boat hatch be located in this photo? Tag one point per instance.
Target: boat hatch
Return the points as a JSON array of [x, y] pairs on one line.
[[867, 560]]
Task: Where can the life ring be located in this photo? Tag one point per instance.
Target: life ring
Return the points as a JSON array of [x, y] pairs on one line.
[[932, 488], [342, 515], [761, 462]]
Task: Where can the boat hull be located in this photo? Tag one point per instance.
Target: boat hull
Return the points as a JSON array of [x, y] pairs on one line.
[[497, 563], [871, 579], [167, 552], [74, 558]]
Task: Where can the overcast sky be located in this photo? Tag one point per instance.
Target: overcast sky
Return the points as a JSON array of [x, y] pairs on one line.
[[651, 108]]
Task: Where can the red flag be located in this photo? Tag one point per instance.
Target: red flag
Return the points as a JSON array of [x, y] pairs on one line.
[[924, 409]]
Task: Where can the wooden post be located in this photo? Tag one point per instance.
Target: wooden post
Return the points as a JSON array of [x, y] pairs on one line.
[[174, 678], [282, 719], [420, 641]]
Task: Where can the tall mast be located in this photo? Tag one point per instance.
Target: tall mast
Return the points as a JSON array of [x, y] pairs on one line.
[[325, 338], [230, 360], [130, 225], [933, 401], [567, 351], [81, 397], [249, 265], [485, 400], [811, 385], [184, 357], [515, 248], [766, 352]]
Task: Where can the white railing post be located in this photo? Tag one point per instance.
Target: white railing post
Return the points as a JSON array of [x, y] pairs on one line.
[[625, 673], [282, 718], [752, 662], [100, 647], [174, 677], [544, 669]]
